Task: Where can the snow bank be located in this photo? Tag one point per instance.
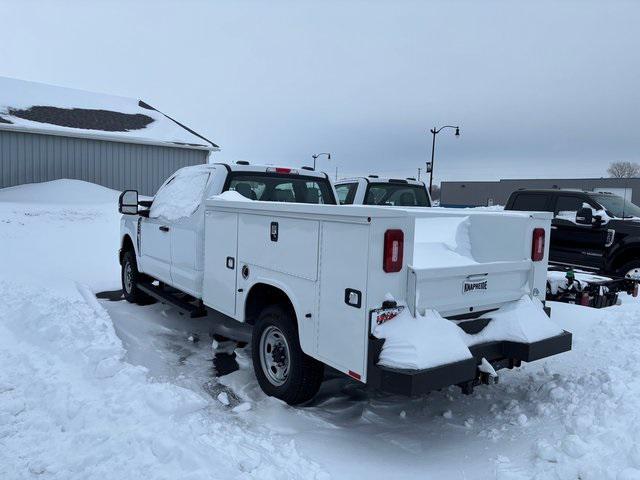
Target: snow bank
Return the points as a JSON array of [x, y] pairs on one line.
[[71, 407], [422, 342], [442, 241], [181, 196], [520, 321], [60, 192], [65, 229]]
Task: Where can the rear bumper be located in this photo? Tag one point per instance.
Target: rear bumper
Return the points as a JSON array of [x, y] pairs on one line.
[[501, 354]]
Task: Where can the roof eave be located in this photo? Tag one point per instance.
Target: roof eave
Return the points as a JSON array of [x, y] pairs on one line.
[[105, 137]]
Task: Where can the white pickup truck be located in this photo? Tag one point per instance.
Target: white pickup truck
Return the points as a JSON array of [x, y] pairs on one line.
[[375, 190], [406, 302]]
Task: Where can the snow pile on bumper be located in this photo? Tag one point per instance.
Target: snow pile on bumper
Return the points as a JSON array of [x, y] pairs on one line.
[[428, 340], [420, 342], [523, 321]]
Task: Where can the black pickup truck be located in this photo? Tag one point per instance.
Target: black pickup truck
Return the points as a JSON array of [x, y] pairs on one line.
[[591, 231]]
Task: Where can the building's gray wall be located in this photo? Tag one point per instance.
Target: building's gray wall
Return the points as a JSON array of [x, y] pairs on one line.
[[466, 194], [30, 158]]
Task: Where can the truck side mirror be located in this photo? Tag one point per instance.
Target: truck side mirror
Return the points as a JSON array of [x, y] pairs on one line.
[[584, 216], [128, 202]]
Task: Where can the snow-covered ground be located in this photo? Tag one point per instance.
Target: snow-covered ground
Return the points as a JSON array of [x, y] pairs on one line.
[[104, 389]]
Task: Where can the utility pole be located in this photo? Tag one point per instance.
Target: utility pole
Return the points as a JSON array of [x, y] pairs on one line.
[[316, 155], [419, 173], [434, 131], [336, 174]]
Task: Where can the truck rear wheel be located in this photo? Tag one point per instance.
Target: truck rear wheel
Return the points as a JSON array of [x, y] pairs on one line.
[[130, 278], [283, 370]]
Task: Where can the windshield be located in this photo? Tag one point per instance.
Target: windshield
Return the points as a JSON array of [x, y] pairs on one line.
[[397, 195], [616, 206], [282, 188]]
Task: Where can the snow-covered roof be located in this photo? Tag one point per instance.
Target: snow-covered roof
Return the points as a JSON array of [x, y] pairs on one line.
[[41, 108]]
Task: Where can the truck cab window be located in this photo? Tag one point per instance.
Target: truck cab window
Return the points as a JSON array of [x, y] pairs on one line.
[[530, 202], [568, 205], [397, 195], [616, 206], [272, 188], [346, 193]]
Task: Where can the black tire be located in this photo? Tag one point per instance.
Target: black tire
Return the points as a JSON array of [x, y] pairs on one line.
[[624, 269], [130, 288], [304, 374]]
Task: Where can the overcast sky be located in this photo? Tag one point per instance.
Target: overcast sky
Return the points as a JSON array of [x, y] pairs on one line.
[[540, 89]]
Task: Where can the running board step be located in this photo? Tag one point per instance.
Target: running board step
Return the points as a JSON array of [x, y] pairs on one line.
[[194, 311]]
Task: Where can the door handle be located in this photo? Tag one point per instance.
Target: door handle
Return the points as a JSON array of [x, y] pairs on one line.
[[164, 228], [353, 298]]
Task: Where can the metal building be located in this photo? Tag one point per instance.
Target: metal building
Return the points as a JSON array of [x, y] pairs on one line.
[[473, 194], [48, 133]]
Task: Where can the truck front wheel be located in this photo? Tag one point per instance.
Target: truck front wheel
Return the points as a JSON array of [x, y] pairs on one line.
[[130, 279], [630, 270], [283, 370]]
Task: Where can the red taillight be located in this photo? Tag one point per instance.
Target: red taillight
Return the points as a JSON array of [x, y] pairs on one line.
[[393, 250], [537, 247]]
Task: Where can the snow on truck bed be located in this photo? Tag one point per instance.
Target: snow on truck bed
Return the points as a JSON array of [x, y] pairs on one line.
[[442, 242]]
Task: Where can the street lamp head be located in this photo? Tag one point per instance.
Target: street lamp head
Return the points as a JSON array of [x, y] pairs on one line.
[[457, 131]]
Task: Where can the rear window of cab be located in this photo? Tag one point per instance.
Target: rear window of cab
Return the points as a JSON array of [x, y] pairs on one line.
[[397, 195], [268, 187]]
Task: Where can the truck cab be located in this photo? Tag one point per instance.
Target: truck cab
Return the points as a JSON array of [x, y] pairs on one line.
[[374, 190], [169, 244], [596, 231]]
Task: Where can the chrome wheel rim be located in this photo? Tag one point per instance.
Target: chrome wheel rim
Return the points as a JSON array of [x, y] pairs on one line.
[[634, 273], [128, 277], [274, 355]]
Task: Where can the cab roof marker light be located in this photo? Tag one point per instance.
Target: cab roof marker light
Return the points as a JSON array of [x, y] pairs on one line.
[[282, 170]]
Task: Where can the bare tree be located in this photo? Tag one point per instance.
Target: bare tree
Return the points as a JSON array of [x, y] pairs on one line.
[[623, 169]]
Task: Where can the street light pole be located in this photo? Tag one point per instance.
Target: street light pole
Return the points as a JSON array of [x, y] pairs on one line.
[[316, 155], [436, 131]]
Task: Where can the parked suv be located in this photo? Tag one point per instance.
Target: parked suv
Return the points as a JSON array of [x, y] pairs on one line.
[[592, 230]]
